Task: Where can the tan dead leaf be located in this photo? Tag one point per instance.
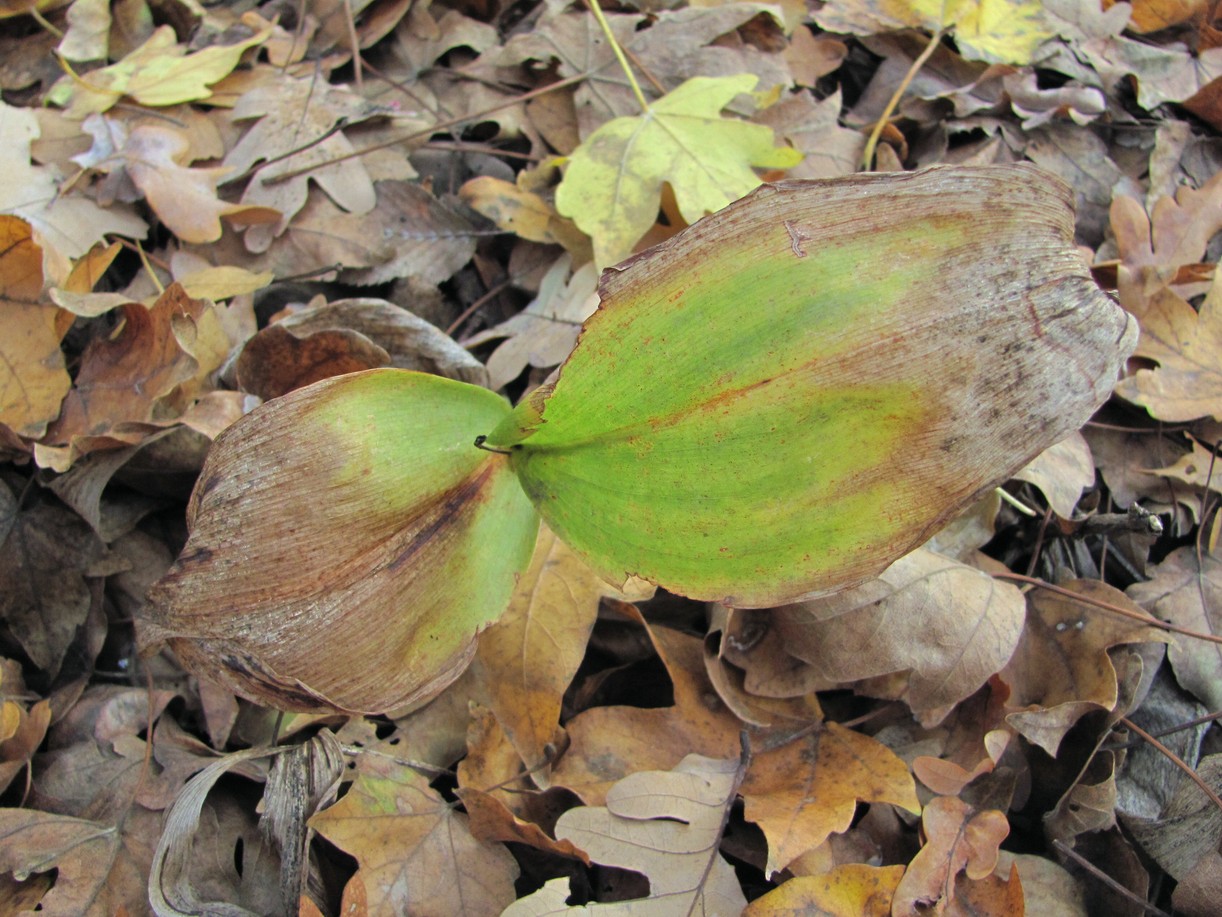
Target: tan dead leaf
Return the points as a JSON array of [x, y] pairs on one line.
[[852, 890], [125, 382], [944, 626], [808, 789], [1187, 344], [525, 214], [158, 73], [276, 361], [411, 342], [666, 825], [44, 593], [1125, 459], [1189, 826], [608, 743], [1089, 804], [1189, 594], [1152, 15], [1061, 472], [990, 896], [33, 377], [1062, 670], [1199, 469], [526, 660], [184, 198], [292, 114], [1048, 887], [813, 128], [23, 726], [958, 839], [543, 334], [65, 225], [396, 825]]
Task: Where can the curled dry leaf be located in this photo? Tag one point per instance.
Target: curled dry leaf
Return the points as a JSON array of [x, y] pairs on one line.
[[347, 545], [763, 405]]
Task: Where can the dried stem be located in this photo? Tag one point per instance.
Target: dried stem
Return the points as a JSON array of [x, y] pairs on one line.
[[872, 143]]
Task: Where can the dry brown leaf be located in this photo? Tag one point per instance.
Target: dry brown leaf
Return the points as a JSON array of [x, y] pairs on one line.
[[666, 825], [34, 380], [812, 127], [1186, 593], [853, 890], [959, 839], [1199, 469], [526, 660], [395, 825], [1062, 670], [944, 626], [1048, 888], [809, 788], [276, 360], [525, 214], [990, 896], [1062, 472], [608, 743]]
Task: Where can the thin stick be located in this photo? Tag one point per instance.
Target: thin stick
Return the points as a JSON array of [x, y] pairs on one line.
[[1114, 609], [872, 143], [1174, 759], [619, 53]]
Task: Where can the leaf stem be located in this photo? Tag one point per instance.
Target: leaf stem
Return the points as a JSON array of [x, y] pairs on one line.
[[868, 156], [619, 53]]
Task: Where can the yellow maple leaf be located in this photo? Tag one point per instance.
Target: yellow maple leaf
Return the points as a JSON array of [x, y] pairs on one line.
[[613, 184]]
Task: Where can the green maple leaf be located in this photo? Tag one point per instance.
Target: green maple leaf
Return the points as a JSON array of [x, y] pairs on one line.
[[613, 184]]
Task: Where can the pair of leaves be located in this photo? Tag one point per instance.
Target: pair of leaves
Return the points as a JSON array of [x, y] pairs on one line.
[[763, 407]]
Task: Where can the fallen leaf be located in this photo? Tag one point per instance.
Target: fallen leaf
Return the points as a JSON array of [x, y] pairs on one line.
[[1062, 670], [666, 825], [959, 839], [810, 788], [396, 825], [526, 659], [945, 627], [1061, 472], [990, 896], [160, 72], [1153, 15], [782, 507], [34, 380], [435, 534], [854, 890], [1188, 593], [613, 183], [276, 361], [65, 225]]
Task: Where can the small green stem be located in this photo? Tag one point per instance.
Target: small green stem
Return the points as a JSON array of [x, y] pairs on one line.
[[619, 53]]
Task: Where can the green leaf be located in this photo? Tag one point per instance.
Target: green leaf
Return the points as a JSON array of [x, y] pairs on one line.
[[613, 185], [347, 544], [800, 389]]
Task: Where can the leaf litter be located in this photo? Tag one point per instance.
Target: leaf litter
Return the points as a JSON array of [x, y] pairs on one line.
[[209, 209]]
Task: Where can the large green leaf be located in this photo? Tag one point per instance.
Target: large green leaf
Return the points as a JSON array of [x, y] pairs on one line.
[[348, 542], [798, 390]]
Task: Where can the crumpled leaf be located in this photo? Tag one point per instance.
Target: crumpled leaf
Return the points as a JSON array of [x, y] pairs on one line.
[[160, 72], [959, 839], [809, 788], [33, 376], [276, 361], [665, 824], [726, 433], [265, 598], [34, 842], [613, 184], [943, 627], [1061, 670], [1189, 594], [397, 826]]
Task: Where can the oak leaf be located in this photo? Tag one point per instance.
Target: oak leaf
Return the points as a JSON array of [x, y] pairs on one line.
[[415, 852], [809, 789], [666, 825], [613, 184], [852, 890]]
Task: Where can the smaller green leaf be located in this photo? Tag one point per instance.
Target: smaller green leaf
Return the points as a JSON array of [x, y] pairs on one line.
[[613, 185], [347, 544]]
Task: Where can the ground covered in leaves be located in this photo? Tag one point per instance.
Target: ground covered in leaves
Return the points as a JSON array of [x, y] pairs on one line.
[[203, 208]]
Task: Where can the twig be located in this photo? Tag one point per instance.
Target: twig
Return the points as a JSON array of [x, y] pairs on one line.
[[1105, 606], [619, 53], [868, 156]]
